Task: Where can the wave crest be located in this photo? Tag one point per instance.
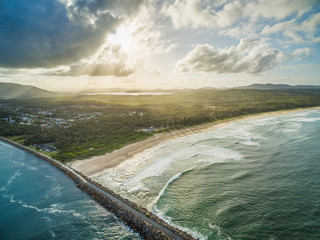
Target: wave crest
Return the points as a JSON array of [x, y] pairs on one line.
[[171, 180]]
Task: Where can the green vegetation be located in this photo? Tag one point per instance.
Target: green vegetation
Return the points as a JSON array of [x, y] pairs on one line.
[[87, 125]]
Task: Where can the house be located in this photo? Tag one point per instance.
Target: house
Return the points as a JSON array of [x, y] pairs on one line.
[[147, 130], [46, 147]]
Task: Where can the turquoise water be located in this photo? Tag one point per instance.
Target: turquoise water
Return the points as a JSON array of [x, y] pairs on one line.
[[39, 202], [251, 179]]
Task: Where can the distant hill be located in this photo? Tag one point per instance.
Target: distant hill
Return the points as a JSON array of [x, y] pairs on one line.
[[14, 90], [103, 90], [270, 86]]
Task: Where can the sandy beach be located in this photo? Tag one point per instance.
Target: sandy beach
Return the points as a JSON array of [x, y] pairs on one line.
[[95, 166]]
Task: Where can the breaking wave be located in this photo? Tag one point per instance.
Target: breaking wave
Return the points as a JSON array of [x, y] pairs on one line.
[[171, 180]]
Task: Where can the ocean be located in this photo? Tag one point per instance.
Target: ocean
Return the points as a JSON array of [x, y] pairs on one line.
[[250, 179], [39, 202]]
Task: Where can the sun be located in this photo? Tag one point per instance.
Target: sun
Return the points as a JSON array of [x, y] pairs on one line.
[[122, 37]]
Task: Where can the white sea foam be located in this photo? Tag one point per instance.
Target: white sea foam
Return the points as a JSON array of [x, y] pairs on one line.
[[291, 130], [216, 227], [219, 231], [171, 159], [240, 130], [218, 154], [300, 114], [52, 233], [19, 164], [32, 168], [151, 162], [54, 208], [304, 113], [47, 218], [137, 188], [56, 191], [305, 119], [185, 157], [168, 220], [250, 143], [233, 131], [295, 125], [129, 168], [125, 226], [10, 197], [187, 150], [183, 160], [12, 178], [155, 169]]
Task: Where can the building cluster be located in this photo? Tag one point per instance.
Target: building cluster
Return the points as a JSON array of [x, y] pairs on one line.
[[46, 147], [150, 129], [48, 118]]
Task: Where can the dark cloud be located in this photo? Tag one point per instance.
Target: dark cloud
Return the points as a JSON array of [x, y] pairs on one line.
[[48, 33], [250, 56], [119, 7]]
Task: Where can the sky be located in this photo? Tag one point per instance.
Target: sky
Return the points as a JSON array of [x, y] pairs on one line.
[[65, 45]]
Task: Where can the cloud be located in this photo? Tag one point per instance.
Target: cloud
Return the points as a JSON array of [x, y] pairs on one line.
[[89, 9], [301, 53], [147, 35], [299, 32], [250, 56], [279, 9], [48, 33], [99, 69], [109, 60], [143, 37], [244, 31], [230, 13], [204, 13], [72, 37], [194, 13]]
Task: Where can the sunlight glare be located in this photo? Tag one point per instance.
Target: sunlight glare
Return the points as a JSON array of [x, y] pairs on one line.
[[122, 38]]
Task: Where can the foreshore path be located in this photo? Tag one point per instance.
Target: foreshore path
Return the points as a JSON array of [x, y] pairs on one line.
[[75, 175]]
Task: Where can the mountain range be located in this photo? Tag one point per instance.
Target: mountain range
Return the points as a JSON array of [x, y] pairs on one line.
[[270, 86], [18, 91]]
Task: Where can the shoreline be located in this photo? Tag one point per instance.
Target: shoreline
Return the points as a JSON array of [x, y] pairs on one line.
[[98, 165]]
